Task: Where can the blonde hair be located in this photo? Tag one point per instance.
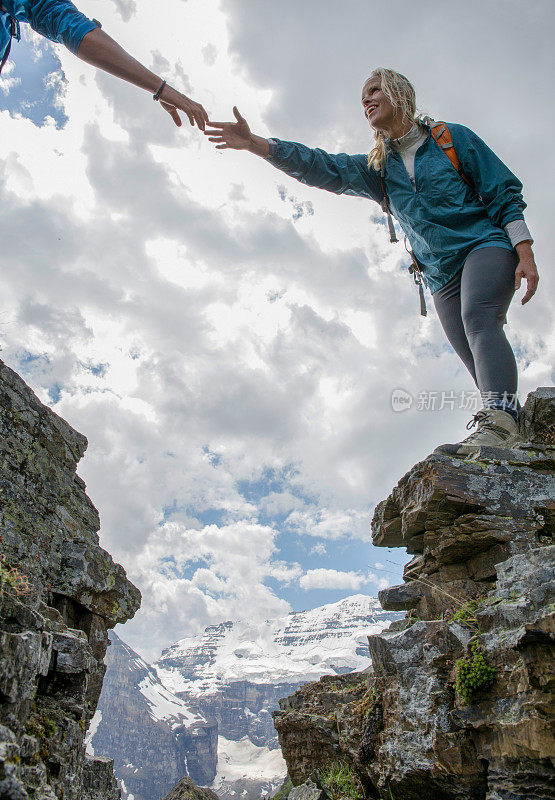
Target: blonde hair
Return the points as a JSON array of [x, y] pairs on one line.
[[400, 93]]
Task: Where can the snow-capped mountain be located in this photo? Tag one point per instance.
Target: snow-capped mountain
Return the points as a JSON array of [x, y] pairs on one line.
[[237, 672], [205, 707], [297, 648], [154, 737]]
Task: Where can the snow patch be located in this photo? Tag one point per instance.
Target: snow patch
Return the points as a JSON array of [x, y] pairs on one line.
[[164, 705], [93, 727], [243, 759]]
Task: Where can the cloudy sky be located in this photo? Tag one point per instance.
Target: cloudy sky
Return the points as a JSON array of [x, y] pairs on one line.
[[227, 339]]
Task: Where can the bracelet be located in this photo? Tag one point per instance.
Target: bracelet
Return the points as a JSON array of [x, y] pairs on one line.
[[159, 92]]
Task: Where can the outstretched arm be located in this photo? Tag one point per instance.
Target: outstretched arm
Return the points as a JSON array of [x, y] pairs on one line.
[[61, 21], [100, 50], [340, 173]]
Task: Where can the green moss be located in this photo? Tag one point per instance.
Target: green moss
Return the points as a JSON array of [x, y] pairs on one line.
[[473, 673], [49, 726], [341, 781]]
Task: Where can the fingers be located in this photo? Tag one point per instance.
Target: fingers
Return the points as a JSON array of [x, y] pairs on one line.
[[173, 112], [519, 274], [200, 116], [531, 290], [238, 116]]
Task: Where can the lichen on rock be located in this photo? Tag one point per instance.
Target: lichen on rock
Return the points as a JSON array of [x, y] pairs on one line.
[[54, 623], [480, 592]]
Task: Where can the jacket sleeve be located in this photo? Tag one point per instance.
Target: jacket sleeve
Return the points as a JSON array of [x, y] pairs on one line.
[[341, 173], [57, 20], [499, 189]]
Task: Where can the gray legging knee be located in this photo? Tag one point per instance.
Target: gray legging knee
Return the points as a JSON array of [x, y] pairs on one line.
[[472, 309]]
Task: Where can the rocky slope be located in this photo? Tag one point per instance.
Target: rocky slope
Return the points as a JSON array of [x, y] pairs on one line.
[[153, 736], [60, 593], [237, 673], [185, 789], [222, 686], [459, 703]]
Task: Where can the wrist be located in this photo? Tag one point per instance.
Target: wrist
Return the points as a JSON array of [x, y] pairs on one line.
[[524, 248], [258, 145]]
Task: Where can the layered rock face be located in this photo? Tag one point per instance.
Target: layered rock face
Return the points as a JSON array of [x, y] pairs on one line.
[[60, 593], [237, 672], [459, 700], [154, 737]]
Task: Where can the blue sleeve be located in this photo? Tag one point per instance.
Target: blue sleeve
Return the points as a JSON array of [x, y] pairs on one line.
[[341, 174], [499, 189], [57, 20]]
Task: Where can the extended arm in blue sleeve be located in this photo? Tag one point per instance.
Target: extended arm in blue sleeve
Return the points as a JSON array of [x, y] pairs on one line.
[[341, 173], [58, 20], [499, 189]]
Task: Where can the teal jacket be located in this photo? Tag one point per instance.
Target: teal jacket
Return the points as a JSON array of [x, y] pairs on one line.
[[443, 218], [58, 20]]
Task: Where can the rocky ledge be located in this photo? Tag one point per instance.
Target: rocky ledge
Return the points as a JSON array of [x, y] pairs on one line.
[[458, 705], [59, 595]]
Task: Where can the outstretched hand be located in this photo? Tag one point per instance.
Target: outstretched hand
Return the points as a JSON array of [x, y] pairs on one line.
[[230, 135], [173, 102]]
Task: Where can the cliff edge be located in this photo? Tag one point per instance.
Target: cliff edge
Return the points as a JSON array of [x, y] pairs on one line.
[[458, 704], [59, 595]]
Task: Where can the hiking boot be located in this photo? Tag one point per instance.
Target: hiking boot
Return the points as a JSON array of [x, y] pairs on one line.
[[496, 428]]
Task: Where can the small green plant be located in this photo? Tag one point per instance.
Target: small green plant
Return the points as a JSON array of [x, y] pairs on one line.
[[12, 581], [465, 614], [473, 673], [364, 706], [341, 781]]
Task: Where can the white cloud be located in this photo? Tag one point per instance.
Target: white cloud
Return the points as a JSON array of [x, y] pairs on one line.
[[203, 333], [331, 579]]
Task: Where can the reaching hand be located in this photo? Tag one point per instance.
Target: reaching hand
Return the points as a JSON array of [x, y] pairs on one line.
[[173, 100], [231, 135]]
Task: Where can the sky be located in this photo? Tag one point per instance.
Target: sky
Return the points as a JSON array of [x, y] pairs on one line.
[[228, 339]]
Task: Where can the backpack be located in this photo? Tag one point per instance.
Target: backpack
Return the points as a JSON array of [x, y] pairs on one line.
[[442, 135], [14, 33]]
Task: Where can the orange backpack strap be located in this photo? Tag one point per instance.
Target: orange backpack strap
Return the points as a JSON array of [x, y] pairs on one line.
[[442, 135]]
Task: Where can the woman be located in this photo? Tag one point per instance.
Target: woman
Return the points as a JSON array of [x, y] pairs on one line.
[[60, 21], [469, 242]]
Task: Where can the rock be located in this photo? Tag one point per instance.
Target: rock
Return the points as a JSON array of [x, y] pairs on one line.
[[397, 598], [481, 594], [61, 592], [321, 722], [537, 420], [186, 790], [98, 778], [153, 736], [308, 791]]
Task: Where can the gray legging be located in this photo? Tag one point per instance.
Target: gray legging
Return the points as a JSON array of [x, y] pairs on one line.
[[472, 309]]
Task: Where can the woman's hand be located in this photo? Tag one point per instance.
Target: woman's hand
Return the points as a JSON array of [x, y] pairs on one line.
[[526, 269], [236, 136]]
